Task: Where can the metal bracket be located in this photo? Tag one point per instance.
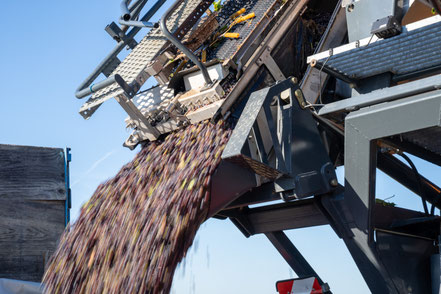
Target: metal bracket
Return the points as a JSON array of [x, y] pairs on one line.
[[107, 66], [263, 120], [175, 40], [270, 64], [125, 100], [287, 145], [118, 35]]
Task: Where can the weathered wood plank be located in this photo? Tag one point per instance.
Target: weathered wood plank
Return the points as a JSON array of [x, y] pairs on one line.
[[26, 224], [29, 267], [29, 232], [32, 209], [32, 173]]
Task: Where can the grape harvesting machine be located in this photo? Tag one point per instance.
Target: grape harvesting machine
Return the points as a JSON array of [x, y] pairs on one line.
[[308, 86]]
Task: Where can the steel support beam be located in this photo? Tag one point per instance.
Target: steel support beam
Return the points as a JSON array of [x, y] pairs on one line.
[[286, 216], [403, 174], [362, 129], [292, 255], [278, 217], [382, 95], [110, 59]]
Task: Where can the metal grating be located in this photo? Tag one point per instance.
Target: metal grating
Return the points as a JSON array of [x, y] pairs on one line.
[[227, 48], [409, 52], [429, 139], [132, 68], [148, 100]]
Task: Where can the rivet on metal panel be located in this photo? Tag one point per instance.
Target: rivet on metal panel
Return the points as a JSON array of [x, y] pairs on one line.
[[333, 182], [285, 95]]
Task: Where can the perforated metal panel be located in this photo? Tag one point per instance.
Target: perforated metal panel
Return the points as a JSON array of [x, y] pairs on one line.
[[148, 100], [133, 66]]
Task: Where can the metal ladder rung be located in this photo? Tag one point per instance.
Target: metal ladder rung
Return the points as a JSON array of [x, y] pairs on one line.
[[132, 68]]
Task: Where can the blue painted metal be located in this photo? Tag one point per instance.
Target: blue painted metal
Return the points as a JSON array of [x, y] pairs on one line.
[[68, 205], [125, 10], [141, 24]]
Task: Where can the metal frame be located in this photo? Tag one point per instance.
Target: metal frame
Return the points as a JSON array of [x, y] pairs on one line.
[[175, 41], [362, 129], [278, 217], [141, 24], [350, 209], [294, 151], [134, 10], [292, 255], [277, 152], [404, 175], [145, 59], [282, 24], [125, 10], [111, 61], [383, 95], [293, 156], [314, 79], [273, 220], [125, 100]]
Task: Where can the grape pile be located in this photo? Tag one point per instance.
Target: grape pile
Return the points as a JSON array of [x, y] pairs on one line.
[[138, 226]]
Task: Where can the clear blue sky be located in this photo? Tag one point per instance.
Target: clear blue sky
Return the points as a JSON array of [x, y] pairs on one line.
[[47, 49]]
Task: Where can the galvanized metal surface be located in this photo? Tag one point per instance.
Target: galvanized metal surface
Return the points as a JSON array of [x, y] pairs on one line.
[[245, 124], [132, 69], [233, 152], [166, 111]]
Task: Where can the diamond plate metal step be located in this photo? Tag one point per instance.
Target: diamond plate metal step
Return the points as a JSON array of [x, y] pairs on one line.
[[132, 69], [417, 48]]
